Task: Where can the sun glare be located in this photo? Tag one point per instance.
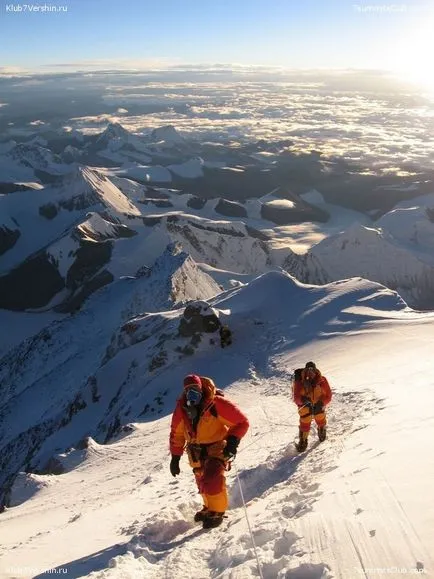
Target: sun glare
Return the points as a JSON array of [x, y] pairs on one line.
[[412, 54]]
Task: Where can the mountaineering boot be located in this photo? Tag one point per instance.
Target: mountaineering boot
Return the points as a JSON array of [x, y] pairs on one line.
[[201, 515], [322, 433], [302, 441], [212, 519]]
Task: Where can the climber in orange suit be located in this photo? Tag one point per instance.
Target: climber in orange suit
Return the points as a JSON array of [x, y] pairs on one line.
[[210, 427], [311, 394]]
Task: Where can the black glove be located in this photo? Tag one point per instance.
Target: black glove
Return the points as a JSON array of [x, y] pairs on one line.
[[318, 407], [174, 465], [230, 449], [306, 401]]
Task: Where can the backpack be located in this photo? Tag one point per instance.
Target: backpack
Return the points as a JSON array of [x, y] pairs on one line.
[[209, 383], [213, 409], [295, 377]]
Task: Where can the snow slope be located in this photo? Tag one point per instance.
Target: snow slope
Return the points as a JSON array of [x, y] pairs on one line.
[[21, 325], [412, 223], [355, 506]]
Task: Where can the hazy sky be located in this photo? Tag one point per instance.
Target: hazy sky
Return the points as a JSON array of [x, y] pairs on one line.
[[290, 33]]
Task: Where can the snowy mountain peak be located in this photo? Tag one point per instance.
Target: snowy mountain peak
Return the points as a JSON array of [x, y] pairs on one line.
[[354, 235], [84, 182], [181, 271], [191, 169], [118, 144], [114, 131], [168, 134], [81, 181], [96, 228]]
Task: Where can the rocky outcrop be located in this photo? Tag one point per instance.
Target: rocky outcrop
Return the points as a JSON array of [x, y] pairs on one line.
[[287, 212], [230, 208], [35, 282], [73, 303], [196, 202], [8, 238], [9, 188], [151, 221], [31, 285], [306, 268], [157, 202]]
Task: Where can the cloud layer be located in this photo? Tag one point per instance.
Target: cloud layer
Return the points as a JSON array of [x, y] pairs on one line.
[[361, 116]]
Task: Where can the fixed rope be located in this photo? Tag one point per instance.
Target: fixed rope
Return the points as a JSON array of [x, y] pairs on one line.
[[248, 523]]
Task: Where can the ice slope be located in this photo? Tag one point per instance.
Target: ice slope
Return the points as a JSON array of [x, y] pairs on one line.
[[354, 506]]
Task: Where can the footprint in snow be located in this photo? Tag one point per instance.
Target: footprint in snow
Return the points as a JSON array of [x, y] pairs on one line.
[[283, 545]]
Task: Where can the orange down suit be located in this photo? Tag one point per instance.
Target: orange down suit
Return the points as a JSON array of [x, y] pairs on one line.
[[317, 390], [205, 441]]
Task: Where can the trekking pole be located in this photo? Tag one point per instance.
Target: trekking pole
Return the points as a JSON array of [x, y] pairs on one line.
[[248, 524]]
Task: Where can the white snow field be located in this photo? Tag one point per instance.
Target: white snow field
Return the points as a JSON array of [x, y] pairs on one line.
[[358, 505]]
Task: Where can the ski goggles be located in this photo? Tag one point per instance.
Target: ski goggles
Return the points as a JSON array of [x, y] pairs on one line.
[[193, 396]]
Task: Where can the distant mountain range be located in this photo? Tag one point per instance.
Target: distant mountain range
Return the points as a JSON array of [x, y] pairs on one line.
[[68, 228]]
